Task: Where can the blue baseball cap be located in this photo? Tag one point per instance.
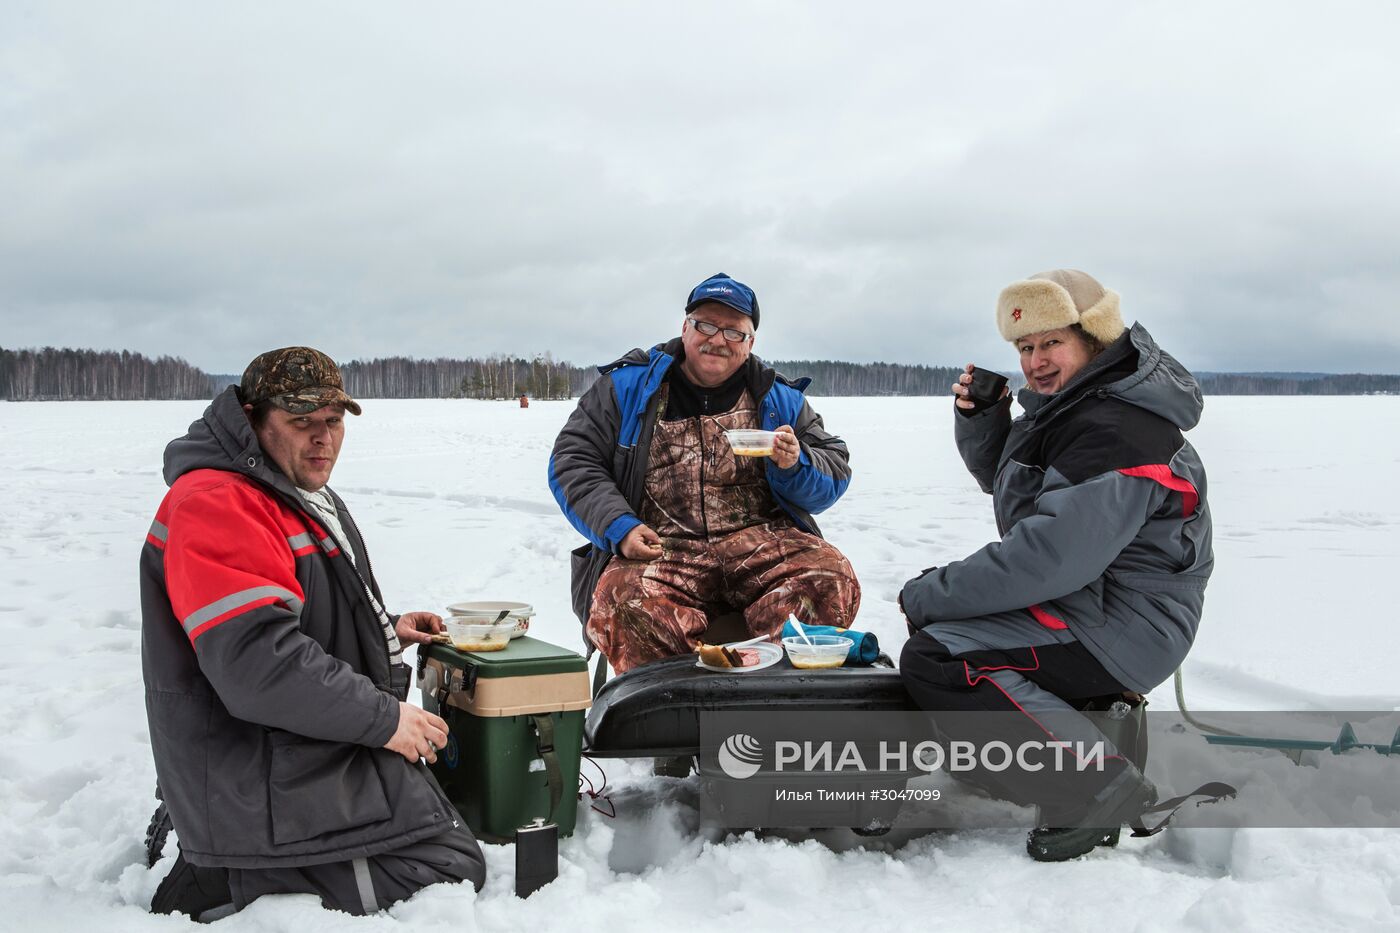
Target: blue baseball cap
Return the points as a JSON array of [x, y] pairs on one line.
[[721, 289]]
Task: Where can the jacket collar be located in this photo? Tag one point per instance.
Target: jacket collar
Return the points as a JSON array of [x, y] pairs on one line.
[[223, 439], [1112, 360], [1132, 369]]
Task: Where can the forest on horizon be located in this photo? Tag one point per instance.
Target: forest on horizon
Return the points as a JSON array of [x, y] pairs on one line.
[[53, 374]]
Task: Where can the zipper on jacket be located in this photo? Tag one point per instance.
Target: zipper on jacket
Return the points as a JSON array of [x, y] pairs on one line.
[[704, 516], [369, 592], [634, 467]]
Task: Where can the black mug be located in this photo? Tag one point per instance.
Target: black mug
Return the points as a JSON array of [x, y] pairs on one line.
[[985, 389]]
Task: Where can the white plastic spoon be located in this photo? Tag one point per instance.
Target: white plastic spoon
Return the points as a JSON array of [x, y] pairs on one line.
[[800, 630]]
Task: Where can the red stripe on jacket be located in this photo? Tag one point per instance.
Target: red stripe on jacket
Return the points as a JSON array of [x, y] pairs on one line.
[[1046, 619], [1161, 473]]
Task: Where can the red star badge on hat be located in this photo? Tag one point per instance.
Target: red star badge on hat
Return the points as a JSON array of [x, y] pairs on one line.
[[1015, 314]]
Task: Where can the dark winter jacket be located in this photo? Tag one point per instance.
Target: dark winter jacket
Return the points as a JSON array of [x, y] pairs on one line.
[[1101, 506], [598, 469], [269, 690]]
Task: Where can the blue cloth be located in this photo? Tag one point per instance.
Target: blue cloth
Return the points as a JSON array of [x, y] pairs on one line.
[[864, 646]]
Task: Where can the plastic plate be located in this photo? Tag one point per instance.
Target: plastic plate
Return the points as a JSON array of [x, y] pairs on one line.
[[768, 655]]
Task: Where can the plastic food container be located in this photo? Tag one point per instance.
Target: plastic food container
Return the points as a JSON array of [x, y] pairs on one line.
[[470, 636], [484, 612], [748, 443], [824, 651]]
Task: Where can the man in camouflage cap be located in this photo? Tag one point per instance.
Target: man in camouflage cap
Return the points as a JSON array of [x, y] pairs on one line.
[[287, 755]]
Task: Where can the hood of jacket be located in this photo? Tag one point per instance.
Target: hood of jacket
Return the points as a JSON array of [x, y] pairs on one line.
[[1135, 370], [223, 439]]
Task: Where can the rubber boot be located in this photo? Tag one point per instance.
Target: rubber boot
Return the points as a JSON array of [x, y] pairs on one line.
[[1109, 841], [1123, 722], [1099, 823]]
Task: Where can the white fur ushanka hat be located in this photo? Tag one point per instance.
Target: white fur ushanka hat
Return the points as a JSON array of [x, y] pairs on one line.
[[1051, 300]]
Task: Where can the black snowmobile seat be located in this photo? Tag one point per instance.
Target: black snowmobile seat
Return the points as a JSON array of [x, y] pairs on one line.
[[654, 710]]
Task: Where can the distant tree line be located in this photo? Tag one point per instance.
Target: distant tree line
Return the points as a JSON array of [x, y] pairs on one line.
[[50, 373], [1273, 384], [834, 378], [63, 375], [494, 377]]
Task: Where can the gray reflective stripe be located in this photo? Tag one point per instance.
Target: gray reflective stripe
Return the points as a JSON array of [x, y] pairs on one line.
[[158, 531], [366, 885], [300, 541], [236, 600], [328, 544]]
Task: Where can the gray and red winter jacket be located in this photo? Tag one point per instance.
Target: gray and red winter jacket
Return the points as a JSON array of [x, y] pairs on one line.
[[269, 691], [1101, 506]]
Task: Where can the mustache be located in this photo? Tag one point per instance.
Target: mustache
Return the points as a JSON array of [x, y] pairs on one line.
[[712, 350]]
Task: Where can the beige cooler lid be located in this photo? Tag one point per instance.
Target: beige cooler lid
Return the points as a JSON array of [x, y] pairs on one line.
[[515, 696]]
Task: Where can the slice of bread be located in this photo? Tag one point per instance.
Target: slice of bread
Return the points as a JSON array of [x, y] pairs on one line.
[[719, 656]]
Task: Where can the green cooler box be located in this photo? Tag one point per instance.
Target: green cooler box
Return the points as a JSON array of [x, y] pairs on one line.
[[515, 719]]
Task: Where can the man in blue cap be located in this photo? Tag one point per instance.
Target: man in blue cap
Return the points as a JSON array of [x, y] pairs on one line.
[[681, 525]]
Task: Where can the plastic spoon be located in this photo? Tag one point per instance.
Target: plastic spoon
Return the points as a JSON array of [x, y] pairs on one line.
[[800, 630]]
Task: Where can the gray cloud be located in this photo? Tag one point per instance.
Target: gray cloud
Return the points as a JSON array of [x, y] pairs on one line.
[[446, 180]]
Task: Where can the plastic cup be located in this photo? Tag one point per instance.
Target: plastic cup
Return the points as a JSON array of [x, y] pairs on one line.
[[469, 636], [749, 443], [818, 652]]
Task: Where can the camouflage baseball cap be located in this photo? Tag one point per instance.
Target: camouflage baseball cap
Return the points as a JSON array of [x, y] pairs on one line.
[[295, 379]]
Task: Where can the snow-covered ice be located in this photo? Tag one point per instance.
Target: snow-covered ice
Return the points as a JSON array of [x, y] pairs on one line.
[[452, 499]]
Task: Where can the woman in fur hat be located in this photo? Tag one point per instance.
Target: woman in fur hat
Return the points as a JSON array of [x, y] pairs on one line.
[[1095, 589]]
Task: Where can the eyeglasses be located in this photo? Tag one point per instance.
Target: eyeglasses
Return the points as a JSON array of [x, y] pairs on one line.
[[733, 335]]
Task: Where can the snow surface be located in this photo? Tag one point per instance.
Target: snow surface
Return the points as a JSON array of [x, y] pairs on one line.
[[452, 499]]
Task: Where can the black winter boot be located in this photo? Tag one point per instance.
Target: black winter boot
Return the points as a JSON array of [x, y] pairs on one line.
[[191, 889], [1097, 824]]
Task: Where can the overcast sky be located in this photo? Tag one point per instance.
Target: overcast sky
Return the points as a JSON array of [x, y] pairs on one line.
[[214, 179]]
